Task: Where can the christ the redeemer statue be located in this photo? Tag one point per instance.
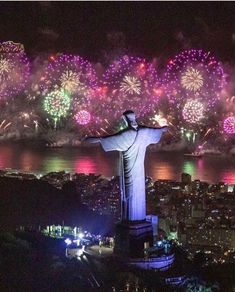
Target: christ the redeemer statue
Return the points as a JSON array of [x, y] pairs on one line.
[[131, 144]]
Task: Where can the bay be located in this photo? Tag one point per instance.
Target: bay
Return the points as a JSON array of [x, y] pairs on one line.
[[158, 165]]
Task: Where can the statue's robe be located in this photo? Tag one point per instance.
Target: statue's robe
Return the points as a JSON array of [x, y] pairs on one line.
[[131, 144]]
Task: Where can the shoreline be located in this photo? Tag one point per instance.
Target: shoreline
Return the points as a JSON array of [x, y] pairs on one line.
[[39, 174]]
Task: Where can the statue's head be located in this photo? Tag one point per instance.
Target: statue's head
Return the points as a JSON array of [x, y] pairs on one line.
[[130, 119]]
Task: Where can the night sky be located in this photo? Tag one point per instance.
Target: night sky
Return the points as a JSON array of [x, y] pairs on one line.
[[149, 29]]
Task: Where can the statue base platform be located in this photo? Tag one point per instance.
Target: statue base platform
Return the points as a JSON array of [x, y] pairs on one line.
[[131, 238]]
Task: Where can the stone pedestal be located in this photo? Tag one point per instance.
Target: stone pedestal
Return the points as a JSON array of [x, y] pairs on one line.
[[130, 238]]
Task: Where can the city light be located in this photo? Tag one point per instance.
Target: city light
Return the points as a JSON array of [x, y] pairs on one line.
[[77, 241], [68, 241], [81, 235]]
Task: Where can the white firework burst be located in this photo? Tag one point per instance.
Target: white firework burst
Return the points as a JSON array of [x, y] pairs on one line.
[[70, 81], [130, 85], [159, 119], [193, 111], [5, 68], [192, 79]]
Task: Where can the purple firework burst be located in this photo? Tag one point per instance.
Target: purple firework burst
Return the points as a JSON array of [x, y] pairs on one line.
[[14, 69], [229, 125], [132, 83], [194, 73], [72, 74]]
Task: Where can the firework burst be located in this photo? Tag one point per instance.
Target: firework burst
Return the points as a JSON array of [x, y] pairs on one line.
[[159, 119], [194, 72], [73, 74], [193, 111], [5, 68], [131, 83], [71, 82], [229, 125], [57, 104], [14, 69], [192, 79], [83, 117]]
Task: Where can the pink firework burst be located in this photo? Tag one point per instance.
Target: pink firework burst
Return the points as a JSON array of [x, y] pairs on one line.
[[229, 125], [83, 117]]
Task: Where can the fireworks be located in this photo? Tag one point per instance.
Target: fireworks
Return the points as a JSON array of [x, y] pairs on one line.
[[70, 81], [194, 72], [4, 125], [193, 83], [14, 69], [5, 68], [229, 125], [83, 117], [193, 111], [132, 84], [75, 77], [159, 119], [57, 104], [192, 79], [71, 73]]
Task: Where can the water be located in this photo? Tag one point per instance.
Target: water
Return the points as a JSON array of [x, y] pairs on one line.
[[210, 168]]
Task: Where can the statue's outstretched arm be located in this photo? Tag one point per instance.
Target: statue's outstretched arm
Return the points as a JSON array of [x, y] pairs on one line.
[[153, 135], [164, 129], [91, 140], [110, 142]]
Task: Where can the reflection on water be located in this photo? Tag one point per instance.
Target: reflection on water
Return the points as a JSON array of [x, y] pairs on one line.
[[29, 160], [85, 165], [189, 167], [162, 170], [5, 156], [228, 177], [94, 160], [55, 164]]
